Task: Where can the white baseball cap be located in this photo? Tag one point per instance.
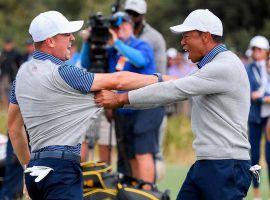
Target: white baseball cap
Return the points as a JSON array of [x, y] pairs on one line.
[[259, 42], [171, 53], [201, 20], [51, 23], [138, 6]]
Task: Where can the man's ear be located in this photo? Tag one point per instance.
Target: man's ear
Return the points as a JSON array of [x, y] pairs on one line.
[[50, 42], [206, 36]]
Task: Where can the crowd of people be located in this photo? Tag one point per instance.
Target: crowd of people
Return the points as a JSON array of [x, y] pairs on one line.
[[54, 120]]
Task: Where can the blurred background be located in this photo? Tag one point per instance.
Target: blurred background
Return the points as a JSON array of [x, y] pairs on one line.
[[241, 21]]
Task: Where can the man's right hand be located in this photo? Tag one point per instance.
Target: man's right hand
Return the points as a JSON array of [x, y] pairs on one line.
[[109, 99], [113, 37], [85, 34]]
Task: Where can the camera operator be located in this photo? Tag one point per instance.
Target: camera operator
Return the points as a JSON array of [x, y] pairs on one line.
[[137, 10], [136, 130]]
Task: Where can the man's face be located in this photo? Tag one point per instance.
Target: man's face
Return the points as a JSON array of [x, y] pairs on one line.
[[192, 42], [8, 46], [63, 43], [136, 17], [30, 48], [259, 54], [124, 31]]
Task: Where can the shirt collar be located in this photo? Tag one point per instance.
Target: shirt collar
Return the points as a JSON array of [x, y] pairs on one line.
[[261, 63], [211, 54], [39, 55]]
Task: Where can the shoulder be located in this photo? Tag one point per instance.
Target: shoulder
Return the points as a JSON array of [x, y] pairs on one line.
[[226, 64], [151, 34], [228, 58], [139, 43], [251, 65], [148, 29]]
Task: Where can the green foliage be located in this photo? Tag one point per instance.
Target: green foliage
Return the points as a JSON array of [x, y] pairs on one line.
[[241, 19], [178, 140], [3, 122]]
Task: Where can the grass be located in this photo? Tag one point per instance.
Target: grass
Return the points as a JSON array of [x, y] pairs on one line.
[[3, 121], [178, 152]]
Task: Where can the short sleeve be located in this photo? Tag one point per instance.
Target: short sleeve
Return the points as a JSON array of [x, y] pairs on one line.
[[77, 78], [12, 96]]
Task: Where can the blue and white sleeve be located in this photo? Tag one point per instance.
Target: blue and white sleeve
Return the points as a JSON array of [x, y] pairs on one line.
[[135, 56], [12, 96], [78, 79], [85, 56]]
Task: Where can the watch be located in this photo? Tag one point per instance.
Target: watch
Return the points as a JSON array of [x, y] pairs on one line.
[[159, 76]]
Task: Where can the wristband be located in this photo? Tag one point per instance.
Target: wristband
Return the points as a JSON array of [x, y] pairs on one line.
[[159, 76]]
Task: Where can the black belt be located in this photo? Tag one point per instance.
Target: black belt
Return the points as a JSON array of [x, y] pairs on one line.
[[56, 154]]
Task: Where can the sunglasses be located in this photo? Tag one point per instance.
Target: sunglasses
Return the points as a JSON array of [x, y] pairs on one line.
[[132, 13]]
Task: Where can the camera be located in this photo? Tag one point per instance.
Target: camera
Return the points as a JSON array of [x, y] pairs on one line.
[[98, 40], [100, 29]]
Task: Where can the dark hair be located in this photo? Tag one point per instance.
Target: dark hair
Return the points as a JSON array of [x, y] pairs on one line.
[[38, 45], [217, 38]]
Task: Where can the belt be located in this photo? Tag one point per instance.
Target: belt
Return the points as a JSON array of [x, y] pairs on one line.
[[56, 154]]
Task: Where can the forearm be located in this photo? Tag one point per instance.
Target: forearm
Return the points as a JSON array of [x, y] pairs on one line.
[[17, 134], [156, 95], [133, 55], [85, 59], [131, 81], [124, 81], [20, 145]]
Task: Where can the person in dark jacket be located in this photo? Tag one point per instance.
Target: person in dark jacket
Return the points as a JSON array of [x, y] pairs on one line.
[[260, 96], [10, 60]]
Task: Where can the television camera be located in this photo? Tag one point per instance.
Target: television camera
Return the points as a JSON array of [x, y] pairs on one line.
[[99, 36]]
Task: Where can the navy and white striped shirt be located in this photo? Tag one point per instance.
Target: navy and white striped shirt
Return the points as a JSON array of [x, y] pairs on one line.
[[211, 54], [78, 79]]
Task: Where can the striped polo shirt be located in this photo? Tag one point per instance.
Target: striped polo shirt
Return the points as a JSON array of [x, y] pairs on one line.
[[55, 101]]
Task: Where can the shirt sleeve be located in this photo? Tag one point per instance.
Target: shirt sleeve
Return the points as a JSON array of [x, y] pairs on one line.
[[12, 97], [78, 79], [208, 80], [84, 56], [136, 57]]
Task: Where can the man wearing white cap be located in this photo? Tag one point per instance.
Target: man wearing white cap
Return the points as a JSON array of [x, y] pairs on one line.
[[55, 102], [220, 95], [260, 101]]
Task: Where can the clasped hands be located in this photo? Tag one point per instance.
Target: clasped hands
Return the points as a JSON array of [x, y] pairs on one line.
[[110, 99]]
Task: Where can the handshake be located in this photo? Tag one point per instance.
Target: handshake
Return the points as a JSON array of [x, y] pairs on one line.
[[110, 99]]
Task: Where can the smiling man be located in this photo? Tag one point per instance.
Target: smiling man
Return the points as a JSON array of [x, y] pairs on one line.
[[55, 102], [220, 95]]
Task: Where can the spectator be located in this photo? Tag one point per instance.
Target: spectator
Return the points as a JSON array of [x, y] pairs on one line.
[[29, 49], [179, 67], [13, 180], [219, 91], [10, 61], [137, 10], [75, 56], [136, 130], [260, 93]]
